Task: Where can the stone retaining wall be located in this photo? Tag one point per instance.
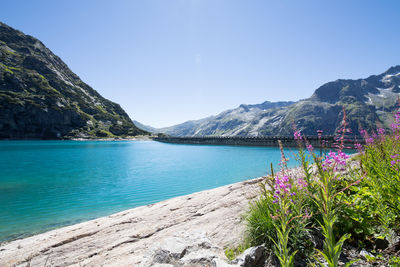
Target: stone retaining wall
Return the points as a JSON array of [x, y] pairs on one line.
[[252, 141]]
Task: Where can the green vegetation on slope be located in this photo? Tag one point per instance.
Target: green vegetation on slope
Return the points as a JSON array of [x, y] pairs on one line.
[[40, 97], [310, 215]]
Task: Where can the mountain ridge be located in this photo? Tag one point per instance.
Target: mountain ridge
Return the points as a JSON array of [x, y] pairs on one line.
[[368, 102], [41, 98]]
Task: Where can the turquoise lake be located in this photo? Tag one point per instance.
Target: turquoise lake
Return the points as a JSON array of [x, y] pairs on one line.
[[48, 184]]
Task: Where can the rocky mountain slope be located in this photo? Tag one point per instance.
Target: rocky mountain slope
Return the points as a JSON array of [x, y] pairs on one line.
[[144, 127], [368, 102], [244, 120], [40, 97]]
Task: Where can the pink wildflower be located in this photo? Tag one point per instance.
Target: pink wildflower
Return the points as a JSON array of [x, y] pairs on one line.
[[301, 183], [397, 116], [310, 148], [297, 135], [335, 161], [369, 140], [358, 146]]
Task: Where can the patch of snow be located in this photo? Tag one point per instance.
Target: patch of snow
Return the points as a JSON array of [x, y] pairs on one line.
[[385, 97], [387, 78], [369, 101]]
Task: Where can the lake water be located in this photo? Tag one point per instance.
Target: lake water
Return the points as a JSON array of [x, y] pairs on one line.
[[48, 184]]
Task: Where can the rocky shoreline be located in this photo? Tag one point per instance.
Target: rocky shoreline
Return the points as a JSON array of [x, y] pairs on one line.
[[135, 138], [191, 230]]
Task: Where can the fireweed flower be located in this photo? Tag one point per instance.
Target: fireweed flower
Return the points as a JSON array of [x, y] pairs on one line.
[[283, 187], [397, 116], [396, 124], [381, 131], [301, 183], [335, 161], [297, 135], [358, 146], [310, 148], [395, 159], [368, 140]]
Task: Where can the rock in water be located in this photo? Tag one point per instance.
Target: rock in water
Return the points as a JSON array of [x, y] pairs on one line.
[[41, 98]]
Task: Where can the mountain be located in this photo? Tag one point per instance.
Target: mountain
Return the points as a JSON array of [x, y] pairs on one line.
[[41, 98], [146, 128], [368, 103], [245, 120]]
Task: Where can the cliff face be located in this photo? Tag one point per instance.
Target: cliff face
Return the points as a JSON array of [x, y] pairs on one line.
[[40, 97], [368, 102]]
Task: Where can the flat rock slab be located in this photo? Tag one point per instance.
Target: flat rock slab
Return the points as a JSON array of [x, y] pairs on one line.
[[127, 238]]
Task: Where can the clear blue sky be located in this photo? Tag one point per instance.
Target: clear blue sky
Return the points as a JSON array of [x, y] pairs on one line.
[[168, 61]]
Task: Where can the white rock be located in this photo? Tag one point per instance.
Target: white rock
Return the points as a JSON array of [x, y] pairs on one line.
[[127, 238]]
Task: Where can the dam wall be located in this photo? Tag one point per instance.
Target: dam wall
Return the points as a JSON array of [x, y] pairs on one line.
[[271, 141]]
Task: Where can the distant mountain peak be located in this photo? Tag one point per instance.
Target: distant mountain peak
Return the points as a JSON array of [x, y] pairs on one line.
[[393, 70], [227, 123], [367, 101]]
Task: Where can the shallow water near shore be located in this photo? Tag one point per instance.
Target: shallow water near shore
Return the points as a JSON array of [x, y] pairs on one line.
[[48, 184]]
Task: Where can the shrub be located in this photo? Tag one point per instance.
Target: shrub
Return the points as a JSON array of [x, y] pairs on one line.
[[344, 200]]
